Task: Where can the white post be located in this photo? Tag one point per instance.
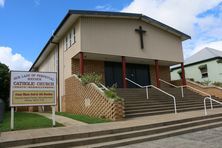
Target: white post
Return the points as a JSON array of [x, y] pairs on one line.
[[53, 116], [147, 93], [175, 106], [211, 103], [12, 118], [182, 93], [205, 107]]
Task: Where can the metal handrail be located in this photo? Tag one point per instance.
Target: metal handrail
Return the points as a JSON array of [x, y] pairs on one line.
[[198, 90], [182, 92], [103, 86], [181, 87], [211, 103], [169, 83], [147, 92], [205, 106], [135, 83]]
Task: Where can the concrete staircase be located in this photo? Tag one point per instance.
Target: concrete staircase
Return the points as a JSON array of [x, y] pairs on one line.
[[137, 105], [122, 136]]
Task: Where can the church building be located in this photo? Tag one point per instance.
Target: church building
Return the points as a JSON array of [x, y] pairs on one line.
[[113, 44]]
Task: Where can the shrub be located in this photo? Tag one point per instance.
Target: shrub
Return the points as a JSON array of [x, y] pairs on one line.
[[4, 84], [217, 84], [206, 82], [191, 79], [91, 78], [112, 94]]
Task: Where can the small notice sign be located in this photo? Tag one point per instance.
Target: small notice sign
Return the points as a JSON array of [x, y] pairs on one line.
[[32, 88]]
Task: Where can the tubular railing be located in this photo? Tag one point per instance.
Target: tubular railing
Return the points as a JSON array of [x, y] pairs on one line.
[[181, 87], [152, 86], [208, 95], [103, 86], [182, 92], [205, 106]]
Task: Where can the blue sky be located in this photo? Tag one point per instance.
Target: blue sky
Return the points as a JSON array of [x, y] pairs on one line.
[[26, 25]]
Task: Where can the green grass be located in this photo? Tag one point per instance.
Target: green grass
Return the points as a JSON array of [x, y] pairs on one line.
[[83, 118], [26, 121]]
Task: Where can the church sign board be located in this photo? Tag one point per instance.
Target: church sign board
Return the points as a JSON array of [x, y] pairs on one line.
[[32, 88]]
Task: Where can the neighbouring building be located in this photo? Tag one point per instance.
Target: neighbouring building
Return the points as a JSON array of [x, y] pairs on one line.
[[205, 65], [115, 45]]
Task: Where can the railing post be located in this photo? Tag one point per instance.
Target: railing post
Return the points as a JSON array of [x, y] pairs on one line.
[[205, 107], [175, 106], [211, 103], [147, 92], [182, 92]]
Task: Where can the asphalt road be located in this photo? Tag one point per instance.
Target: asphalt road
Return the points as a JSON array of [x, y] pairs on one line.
[[211, 138]]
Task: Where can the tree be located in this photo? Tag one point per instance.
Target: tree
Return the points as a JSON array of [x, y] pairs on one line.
[[4, 83]]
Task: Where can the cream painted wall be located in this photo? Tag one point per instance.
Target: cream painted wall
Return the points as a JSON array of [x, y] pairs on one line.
[[118, 37], [48, 65], [71, 52], [214, 72], [65, 56]]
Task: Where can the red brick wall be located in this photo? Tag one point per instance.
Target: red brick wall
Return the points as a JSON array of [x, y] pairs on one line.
[[164, 74], [100, 106], [90, 66], [214, 91]]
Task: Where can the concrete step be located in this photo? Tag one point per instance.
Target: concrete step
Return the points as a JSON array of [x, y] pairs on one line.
[[154, 93], [152, 113], [166, 101], [135, 107], [147, 133], [130, 111], [140, 139]]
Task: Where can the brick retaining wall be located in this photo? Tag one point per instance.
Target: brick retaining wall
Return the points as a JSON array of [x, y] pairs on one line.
[[90, 100], [212, 90]]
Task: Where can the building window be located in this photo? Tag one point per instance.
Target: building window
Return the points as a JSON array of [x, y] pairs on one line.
[[73, 40], [219, 61], [203, 70], [70, 39], [66, 42]]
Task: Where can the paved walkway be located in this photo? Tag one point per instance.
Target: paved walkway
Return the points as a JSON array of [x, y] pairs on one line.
[[63, 120], [211, 138], [47, 132]]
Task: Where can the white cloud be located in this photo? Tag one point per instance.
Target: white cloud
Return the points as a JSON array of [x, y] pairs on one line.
[[181, 14], [2, 3], [215, 45], [107, 7], [189, 16], [14, 61]]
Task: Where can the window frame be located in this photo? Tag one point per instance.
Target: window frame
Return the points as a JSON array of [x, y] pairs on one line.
[[70, 38]]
